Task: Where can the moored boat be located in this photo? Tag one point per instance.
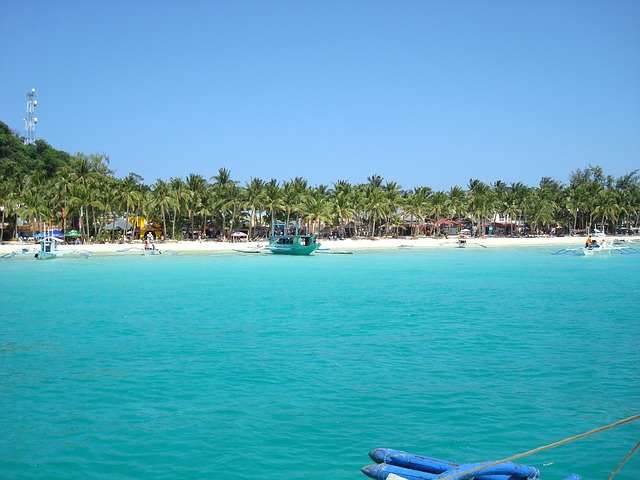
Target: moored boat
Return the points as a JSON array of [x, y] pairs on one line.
[[593, 248], [461, 243], [393, 464], [20, 251], [49, 250], [149, 250], [295, 244]]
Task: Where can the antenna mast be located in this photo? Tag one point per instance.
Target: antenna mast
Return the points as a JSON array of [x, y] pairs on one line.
[[31, 120]]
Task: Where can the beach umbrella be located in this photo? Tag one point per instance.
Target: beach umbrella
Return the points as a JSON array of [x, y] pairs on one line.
[[73, 234], [238, 236]]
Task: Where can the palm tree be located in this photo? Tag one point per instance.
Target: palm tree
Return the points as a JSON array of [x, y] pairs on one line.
[[341, 206], [197, 186], [255, 197], [317, 208], [510, 208], [375, 180], [608, 208], [374, 204], [393, 197], [178, 194], [554, 192], [6, 189], [81, 167], [439, 207], [457, 202], [33, 207], [234, 201], [294, 195], [132, 198], [480, 198], [210, 205], [417, 205], [111, 201], [542, 210], [273, 198], [630, 205], [80, 197], [63, 182], [162, 200], [224, 187]]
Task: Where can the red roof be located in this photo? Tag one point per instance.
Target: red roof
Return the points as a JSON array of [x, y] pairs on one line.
[[446, 221]]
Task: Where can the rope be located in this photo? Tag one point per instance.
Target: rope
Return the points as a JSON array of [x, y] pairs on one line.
[[547, 447], [633, 450]]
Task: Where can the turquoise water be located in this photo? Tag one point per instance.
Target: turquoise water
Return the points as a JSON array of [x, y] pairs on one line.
[[257, 366]]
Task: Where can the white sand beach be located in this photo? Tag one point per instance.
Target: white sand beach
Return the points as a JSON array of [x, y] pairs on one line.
[[349, 245]]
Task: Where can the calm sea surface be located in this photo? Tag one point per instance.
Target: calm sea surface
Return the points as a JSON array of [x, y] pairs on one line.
[[261, 366]]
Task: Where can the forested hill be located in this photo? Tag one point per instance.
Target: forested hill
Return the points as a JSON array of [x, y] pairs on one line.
[[17, 159]]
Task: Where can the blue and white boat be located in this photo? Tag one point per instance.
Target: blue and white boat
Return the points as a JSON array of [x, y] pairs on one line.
[[49, 250]]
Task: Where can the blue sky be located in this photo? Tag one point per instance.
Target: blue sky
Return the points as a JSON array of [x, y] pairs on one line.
[[424, 93]]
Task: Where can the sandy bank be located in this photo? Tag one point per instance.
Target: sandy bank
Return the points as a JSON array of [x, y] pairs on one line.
[[342, 245]]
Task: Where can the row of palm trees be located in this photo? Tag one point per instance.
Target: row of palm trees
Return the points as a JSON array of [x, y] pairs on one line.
[[86, 194]]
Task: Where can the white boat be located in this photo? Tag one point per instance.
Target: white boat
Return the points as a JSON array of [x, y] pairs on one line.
[[607, 248], [149, 250], [49, 250], [601, 249], [21, 251], [462, 243]]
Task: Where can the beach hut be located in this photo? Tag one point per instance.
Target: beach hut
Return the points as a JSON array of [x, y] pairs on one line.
[[118, 224], [447, 226]]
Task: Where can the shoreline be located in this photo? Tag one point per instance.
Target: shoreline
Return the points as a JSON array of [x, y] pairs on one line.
[[348, 245]]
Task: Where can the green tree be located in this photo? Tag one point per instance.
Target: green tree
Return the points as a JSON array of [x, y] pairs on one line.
[[317, 209], [224, 188], [481, 203], [163, 201], [196, 185], [438, 207], [178, 194], [273, 198], [341, 205], [255, 197], [457, 202], [393, 200]]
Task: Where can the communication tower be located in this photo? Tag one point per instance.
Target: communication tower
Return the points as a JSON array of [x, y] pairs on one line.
[[31, 120]]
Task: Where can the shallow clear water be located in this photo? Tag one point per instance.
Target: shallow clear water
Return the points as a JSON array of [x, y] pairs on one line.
[[260, 366]]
